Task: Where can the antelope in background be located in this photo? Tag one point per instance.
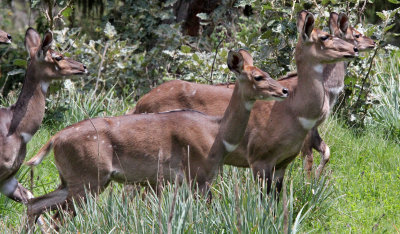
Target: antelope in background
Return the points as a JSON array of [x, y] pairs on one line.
[[276, 130], [142, 148], [5, 38], [212, 99], [19, 122]]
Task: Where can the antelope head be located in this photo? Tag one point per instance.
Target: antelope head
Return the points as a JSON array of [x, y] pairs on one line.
[[253, 79], [49, 63], [339, 26], [315, 44]]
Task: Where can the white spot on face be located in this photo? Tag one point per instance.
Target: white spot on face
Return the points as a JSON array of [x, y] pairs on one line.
[[194, 92], [102, 142], [249, 105], [336, 90], [56, 67], [77, 128], [229, 147], [9, 186], [26, 137], [45, 86], [307, 124], [94, 137], [319, 68]]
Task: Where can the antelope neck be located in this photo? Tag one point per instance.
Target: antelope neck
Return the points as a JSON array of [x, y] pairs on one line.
[[334, 80], [29, 109], [309, 95], [232, 125]]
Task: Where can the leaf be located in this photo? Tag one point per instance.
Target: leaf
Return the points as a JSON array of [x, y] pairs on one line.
[[185, 49], [381, 15], [16, 72], [202, 16], [20, 63], [67, 12], [109, 30], [394, 1], [387, 28]]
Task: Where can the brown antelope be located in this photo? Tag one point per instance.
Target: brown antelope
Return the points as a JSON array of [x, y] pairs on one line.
[[5, 38], [143, 148], [211, 100], [276, 130], [334, 83], [19, 122]]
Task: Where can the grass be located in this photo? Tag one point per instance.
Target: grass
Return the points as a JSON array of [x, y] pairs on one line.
[[386, 92], [360, 192]]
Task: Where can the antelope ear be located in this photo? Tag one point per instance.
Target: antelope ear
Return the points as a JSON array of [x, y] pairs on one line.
[[46, 44], [308, 26], [333, 22], [247, 58], [32, 41], [343, 22], [300, 20], [305, 22], [235, 62]]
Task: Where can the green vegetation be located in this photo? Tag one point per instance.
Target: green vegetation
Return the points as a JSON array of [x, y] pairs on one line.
[[360, 192]]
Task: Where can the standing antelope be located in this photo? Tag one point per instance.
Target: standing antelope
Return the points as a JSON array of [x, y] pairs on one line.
[[5, 38], [141, 148], [276, 130], [333, 83], [19, 122]]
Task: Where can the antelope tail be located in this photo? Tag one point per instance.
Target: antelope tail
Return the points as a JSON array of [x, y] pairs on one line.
[[43, 152]]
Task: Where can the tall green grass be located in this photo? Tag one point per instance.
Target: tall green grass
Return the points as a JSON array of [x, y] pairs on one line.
[[386, 91], [360, 192]]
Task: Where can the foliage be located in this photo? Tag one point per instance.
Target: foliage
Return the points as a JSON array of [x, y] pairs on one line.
[[357, 99], [385, 93]]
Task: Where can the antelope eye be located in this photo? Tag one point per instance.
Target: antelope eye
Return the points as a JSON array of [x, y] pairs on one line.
[[357, 36], [258, 78], [58, 58], [323, 38]]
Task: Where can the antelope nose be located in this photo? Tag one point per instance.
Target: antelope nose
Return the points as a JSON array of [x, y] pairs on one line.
[[285, 91], [84, 67], [9, 36], [355, 49]]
